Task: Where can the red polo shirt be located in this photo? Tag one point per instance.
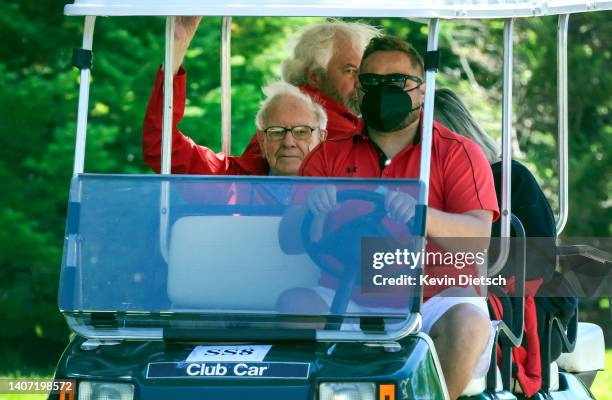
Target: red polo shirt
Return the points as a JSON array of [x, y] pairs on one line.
[[187, 156], [340, 121], [460, 177]]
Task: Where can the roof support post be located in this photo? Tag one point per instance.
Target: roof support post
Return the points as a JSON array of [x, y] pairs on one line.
[[81, 134], [166, 156], [497, 266], [226, 88], [430, 89], [426, 139], [562, 124]]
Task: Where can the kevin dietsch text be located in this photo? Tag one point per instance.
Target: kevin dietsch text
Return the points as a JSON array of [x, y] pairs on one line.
[[427, 280]]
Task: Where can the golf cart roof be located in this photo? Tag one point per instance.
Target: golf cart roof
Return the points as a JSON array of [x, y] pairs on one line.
[[450, 9]]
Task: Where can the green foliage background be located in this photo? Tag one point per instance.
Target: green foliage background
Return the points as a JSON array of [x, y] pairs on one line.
[[38, 102]]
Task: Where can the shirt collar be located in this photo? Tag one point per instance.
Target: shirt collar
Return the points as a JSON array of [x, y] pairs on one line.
[[363, 134], [327, 102]]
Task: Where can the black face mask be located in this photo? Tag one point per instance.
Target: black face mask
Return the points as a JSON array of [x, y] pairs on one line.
[[385, 107]]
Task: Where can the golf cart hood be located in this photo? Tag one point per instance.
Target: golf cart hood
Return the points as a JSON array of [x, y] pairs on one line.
[[132, 361], [207, 258]]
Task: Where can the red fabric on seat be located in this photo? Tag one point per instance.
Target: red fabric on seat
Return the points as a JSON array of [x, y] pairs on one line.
[[526, 366]]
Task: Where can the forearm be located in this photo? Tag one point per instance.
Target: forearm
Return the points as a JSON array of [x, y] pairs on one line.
[[180, 49], [152, 126], [184, 31], [445, 227]]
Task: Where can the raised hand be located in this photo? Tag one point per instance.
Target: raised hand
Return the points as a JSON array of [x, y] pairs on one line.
[[184, 31]]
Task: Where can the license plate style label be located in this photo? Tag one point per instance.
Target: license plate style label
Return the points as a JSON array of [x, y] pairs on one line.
[[229, 353], [282, 370]]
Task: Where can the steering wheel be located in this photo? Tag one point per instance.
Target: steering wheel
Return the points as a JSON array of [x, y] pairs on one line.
[[335, 244], [342, 245]]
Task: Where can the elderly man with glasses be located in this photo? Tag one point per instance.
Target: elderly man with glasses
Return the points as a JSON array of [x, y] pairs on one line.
[[289, 125]]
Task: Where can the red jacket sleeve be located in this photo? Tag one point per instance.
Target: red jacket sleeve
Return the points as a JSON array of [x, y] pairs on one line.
[[468, 180], [187, 157]]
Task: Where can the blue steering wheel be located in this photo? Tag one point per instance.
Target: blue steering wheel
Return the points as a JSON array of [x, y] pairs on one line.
[[343, 244]]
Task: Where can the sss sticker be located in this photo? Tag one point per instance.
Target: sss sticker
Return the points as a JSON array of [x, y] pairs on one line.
[[252, 353]]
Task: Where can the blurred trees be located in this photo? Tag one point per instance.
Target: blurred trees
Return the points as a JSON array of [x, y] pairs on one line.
[[38, 99]]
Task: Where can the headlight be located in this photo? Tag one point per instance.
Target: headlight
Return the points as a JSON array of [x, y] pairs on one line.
[[105, 391], [347, 391]]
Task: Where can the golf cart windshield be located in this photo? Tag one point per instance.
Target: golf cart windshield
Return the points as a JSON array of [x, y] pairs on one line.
[[149, 255]]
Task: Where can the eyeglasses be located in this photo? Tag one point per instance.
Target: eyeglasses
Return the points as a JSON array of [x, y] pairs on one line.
[[299, 132], [370, 81]]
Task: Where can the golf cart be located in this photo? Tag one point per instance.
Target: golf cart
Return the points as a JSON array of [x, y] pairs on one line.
[[207, 323]]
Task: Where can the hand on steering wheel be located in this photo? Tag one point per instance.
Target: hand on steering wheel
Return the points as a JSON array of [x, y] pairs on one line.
[[340, 244], [338, 252], [398, 205]]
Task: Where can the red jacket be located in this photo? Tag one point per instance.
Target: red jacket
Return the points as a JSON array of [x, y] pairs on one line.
[[340, 121], [187, 156]]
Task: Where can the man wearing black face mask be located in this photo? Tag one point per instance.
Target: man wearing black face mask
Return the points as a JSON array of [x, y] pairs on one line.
[[462, 201], [386, 103]]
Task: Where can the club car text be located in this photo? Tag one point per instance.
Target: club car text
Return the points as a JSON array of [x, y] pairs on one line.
[[228, 370], [218, 369]]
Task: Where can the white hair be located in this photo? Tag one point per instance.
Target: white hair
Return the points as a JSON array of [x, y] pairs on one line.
[[279, 89], [315, 47]]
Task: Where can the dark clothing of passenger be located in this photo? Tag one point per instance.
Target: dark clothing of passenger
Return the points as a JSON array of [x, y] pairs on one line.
[[529, 204]]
